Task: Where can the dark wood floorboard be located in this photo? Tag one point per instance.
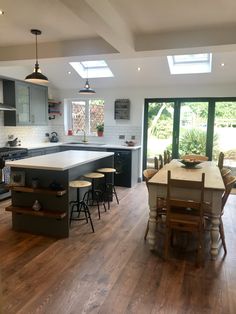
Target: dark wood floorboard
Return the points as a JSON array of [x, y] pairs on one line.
[[112, 270]]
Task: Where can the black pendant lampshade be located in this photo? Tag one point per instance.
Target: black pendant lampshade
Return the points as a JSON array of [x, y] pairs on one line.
[[36, 76], [87, 90]]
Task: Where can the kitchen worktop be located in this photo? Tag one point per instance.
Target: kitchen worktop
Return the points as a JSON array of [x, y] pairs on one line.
[[49, 144], [59, 161]]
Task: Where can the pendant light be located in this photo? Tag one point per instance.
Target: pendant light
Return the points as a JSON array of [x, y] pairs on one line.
[[87, 90], [36, 76]]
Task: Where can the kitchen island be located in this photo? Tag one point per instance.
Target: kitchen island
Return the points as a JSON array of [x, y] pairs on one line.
[[52, 173]]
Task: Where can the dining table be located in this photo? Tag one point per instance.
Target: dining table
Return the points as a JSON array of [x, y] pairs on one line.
[[213, 191]]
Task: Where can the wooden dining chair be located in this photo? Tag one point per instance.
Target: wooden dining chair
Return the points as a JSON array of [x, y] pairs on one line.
[[168, 154], [195, 157], [156, 163], [225, 172], [229, 183], [160, 203], [165, 157], [221, 160], [161, 162], [185, 215]]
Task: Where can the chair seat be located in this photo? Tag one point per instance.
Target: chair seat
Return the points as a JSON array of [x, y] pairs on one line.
[[93, 175], [79, 184], [106, 170]]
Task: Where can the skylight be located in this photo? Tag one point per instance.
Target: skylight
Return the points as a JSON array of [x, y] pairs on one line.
[[92, 69], [189, 64]]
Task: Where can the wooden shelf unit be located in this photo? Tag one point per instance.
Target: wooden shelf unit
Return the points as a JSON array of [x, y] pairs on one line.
[[54, 109], [41, 213], [27, 189]]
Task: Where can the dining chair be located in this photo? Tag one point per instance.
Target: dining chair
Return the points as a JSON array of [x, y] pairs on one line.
[[225, 172], [160, 203], [165, 157], [185, 215], [156, 163], [161, 162], [195, 157], [221, 160], [229, 183], [168, 154]]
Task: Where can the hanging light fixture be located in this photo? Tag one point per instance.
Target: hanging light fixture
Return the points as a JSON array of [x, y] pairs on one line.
[[36, 76], [87, 90]]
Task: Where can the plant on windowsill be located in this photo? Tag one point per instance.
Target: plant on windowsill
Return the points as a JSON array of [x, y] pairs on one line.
[[100, 129]]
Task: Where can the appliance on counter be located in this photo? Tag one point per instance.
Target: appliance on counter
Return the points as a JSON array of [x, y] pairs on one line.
[[54, 137], [122, 164], [8, 153]]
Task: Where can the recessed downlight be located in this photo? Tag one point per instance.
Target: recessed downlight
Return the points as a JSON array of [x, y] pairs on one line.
[[1, 12], [222, 64], [69, 72], [139, 69]]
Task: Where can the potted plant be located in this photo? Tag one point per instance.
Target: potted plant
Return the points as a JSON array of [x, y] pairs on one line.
[[100, 129]]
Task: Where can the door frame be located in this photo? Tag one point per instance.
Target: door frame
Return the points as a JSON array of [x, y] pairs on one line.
[[175, 138]]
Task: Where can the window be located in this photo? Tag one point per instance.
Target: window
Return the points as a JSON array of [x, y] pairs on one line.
[[85, 114], [189, 64], [92, 69]]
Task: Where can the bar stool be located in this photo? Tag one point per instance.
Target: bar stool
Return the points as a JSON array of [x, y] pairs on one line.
[[82, 206], [109, 186], [96, 194]]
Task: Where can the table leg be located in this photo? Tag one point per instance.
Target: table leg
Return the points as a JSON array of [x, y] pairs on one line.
[[152, 228], [215, 234]]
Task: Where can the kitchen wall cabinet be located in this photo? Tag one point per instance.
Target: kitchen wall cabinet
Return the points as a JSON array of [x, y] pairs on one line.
[[30, 101]]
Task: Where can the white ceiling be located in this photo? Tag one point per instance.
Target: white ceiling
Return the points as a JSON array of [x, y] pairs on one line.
[[127, 34]]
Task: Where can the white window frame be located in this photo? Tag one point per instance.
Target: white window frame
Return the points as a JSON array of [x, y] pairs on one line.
[[68, 115]]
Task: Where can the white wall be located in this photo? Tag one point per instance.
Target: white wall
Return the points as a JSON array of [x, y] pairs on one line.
[[114, 128]]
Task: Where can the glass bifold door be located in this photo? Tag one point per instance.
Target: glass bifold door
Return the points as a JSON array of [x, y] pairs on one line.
[[199, 126]]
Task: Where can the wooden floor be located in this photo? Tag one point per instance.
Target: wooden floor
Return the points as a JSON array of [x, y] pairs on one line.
[[112, 271]]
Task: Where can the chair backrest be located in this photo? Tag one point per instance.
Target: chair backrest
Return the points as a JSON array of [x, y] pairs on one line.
[[173, 201], [229, 183], [165, 157], [168, 156], [160, 161], [148, 174], [221, 160], [225, 172], [195, 157], [156, 163]]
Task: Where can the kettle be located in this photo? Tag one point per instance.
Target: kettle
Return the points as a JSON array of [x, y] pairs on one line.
[[54, 137]]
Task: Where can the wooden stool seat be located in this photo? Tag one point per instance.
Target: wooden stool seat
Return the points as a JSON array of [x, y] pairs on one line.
[[93, 175], [106, 170], [79, 184]]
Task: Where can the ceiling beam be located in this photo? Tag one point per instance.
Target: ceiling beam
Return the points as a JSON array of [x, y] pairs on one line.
[[67, 48], [105, 20]]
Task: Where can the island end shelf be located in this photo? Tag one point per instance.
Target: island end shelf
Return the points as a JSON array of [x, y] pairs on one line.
[[53, 218]]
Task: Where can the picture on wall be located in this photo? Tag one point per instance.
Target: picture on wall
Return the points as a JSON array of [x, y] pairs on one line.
[[122, 109]]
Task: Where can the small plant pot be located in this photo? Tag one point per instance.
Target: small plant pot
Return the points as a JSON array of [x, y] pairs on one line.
[[100, 133]]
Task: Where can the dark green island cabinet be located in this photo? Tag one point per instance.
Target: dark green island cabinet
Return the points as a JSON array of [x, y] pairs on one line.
[[53, 170]]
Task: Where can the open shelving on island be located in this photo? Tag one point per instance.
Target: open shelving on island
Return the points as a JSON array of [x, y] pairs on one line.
[[42, 213], [27, 189]]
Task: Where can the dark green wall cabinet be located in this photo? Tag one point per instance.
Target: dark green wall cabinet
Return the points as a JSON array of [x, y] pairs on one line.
[[30, 101]]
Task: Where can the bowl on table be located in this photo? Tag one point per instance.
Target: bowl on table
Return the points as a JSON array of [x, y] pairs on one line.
[[190, 163]]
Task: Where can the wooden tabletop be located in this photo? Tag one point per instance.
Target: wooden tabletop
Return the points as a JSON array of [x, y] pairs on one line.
[[213, 179]]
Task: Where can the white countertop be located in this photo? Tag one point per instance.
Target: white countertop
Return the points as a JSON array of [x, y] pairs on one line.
[[98, 145], [59, 161]]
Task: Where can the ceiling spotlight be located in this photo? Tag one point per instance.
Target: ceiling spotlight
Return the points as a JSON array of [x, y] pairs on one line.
[[36, 76], [222, 64], [69, 72], [139, 69], [1, 12]]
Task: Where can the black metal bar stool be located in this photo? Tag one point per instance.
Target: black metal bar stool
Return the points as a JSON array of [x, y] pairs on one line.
[[109, 186], [95, 194], [81, 205]]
